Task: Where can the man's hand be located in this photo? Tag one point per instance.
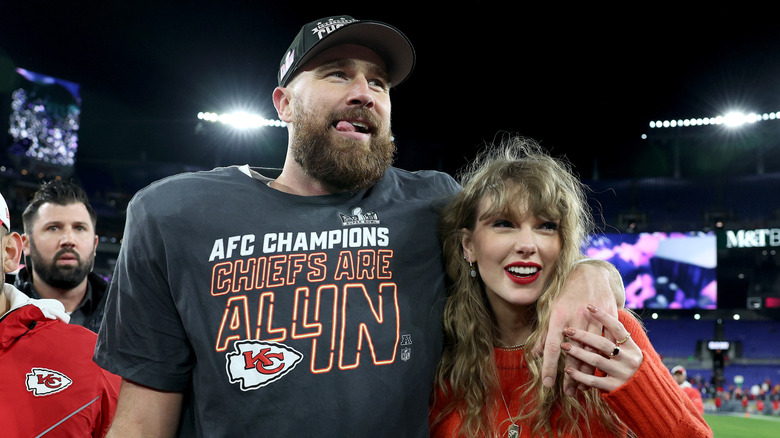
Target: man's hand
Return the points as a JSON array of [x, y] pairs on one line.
[[593, 282]]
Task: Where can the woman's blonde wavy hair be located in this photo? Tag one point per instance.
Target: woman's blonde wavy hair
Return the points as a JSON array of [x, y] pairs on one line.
[[517, 172]]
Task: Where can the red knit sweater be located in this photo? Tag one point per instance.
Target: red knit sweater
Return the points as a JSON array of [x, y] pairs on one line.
[[651, 403]]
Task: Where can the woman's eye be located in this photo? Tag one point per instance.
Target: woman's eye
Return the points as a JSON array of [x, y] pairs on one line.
[[553, 226], [502, 223]]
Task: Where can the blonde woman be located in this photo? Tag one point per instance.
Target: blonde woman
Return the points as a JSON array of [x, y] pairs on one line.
[[510, 239]]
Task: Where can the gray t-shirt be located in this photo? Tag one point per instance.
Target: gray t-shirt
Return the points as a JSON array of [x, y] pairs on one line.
[[281, 315]]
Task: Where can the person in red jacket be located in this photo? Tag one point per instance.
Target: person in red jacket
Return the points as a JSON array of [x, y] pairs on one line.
[[510, 239], [49, 384], [681, 377]]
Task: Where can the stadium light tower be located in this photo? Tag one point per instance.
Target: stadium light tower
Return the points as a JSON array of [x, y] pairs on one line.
[[731, 120], [241, 120], [736, 119]]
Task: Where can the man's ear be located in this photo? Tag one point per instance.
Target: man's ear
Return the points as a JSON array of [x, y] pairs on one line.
[[282, 103], [12, 252], [26, 244]]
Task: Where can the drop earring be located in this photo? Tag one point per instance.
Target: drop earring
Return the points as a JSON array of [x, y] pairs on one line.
[[471, 265]]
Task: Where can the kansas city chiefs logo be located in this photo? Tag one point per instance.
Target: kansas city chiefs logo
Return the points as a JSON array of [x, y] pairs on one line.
[[255, 364], [42, 381]]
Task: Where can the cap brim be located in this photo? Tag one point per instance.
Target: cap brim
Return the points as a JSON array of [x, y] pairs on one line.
[[388, 42]]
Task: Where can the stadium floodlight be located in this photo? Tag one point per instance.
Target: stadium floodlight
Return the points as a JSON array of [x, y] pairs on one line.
[[732, 119], [241, 120], [736, 119]]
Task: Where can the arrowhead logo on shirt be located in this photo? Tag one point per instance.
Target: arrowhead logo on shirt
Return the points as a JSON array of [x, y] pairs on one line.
[[255, 364], [43, 381]]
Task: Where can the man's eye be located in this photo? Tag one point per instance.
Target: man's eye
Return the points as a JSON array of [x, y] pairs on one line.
[[337, 74], [378, 83]]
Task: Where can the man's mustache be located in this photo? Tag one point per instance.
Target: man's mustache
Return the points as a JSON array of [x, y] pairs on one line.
[[64, 251], [358, 113]]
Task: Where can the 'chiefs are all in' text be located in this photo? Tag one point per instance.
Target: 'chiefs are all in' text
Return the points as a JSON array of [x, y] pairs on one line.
[[343, 295]]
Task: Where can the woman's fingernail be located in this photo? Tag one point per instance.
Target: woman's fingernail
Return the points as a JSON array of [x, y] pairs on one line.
[[569, 331], [593, 308], [566, 346], [571, 392], [548, 382]]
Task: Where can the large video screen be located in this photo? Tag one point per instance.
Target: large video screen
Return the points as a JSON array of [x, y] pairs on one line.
[[660, 270], [44, 120], [749, 268]]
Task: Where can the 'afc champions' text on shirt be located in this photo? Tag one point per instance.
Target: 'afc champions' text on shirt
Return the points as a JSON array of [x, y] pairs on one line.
[[332, 288]]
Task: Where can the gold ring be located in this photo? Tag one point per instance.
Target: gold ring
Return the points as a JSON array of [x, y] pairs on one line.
[[615, 352], [628, 336]]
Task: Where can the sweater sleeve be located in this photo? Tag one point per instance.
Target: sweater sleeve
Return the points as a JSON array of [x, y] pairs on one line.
[[651, 403]]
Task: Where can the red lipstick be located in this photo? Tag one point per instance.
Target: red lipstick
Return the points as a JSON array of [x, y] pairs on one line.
[[523, 272]]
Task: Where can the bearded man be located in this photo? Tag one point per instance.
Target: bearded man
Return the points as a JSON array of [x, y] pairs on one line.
[[59, 244]]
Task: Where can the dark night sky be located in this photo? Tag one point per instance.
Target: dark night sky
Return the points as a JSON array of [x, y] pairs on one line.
[[585, 82]]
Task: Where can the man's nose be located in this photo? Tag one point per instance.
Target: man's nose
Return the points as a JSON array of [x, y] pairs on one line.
[[360, 94], [67, 238]]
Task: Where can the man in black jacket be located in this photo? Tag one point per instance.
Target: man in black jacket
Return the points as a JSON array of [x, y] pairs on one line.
[[59, 245]]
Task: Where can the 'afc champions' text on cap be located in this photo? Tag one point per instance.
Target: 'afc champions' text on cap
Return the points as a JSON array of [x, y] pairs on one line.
[[313, 38]]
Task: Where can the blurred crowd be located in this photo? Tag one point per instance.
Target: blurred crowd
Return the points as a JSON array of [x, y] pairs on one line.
[[763, 398]]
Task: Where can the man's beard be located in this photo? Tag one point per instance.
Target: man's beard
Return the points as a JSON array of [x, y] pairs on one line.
[[60, 277], [343, 163]]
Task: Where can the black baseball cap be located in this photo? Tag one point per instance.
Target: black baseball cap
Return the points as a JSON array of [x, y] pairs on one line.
[[388, 42]]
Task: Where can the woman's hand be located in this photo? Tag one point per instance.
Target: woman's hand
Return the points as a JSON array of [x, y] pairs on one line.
[[615, 353], [591, 282]]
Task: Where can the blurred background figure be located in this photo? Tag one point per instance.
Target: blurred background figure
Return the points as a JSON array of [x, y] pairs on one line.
[[681, 377]]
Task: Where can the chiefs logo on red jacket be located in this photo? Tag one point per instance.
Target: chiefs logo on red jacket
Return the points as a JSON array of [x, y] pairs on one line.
[[43, 381]]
